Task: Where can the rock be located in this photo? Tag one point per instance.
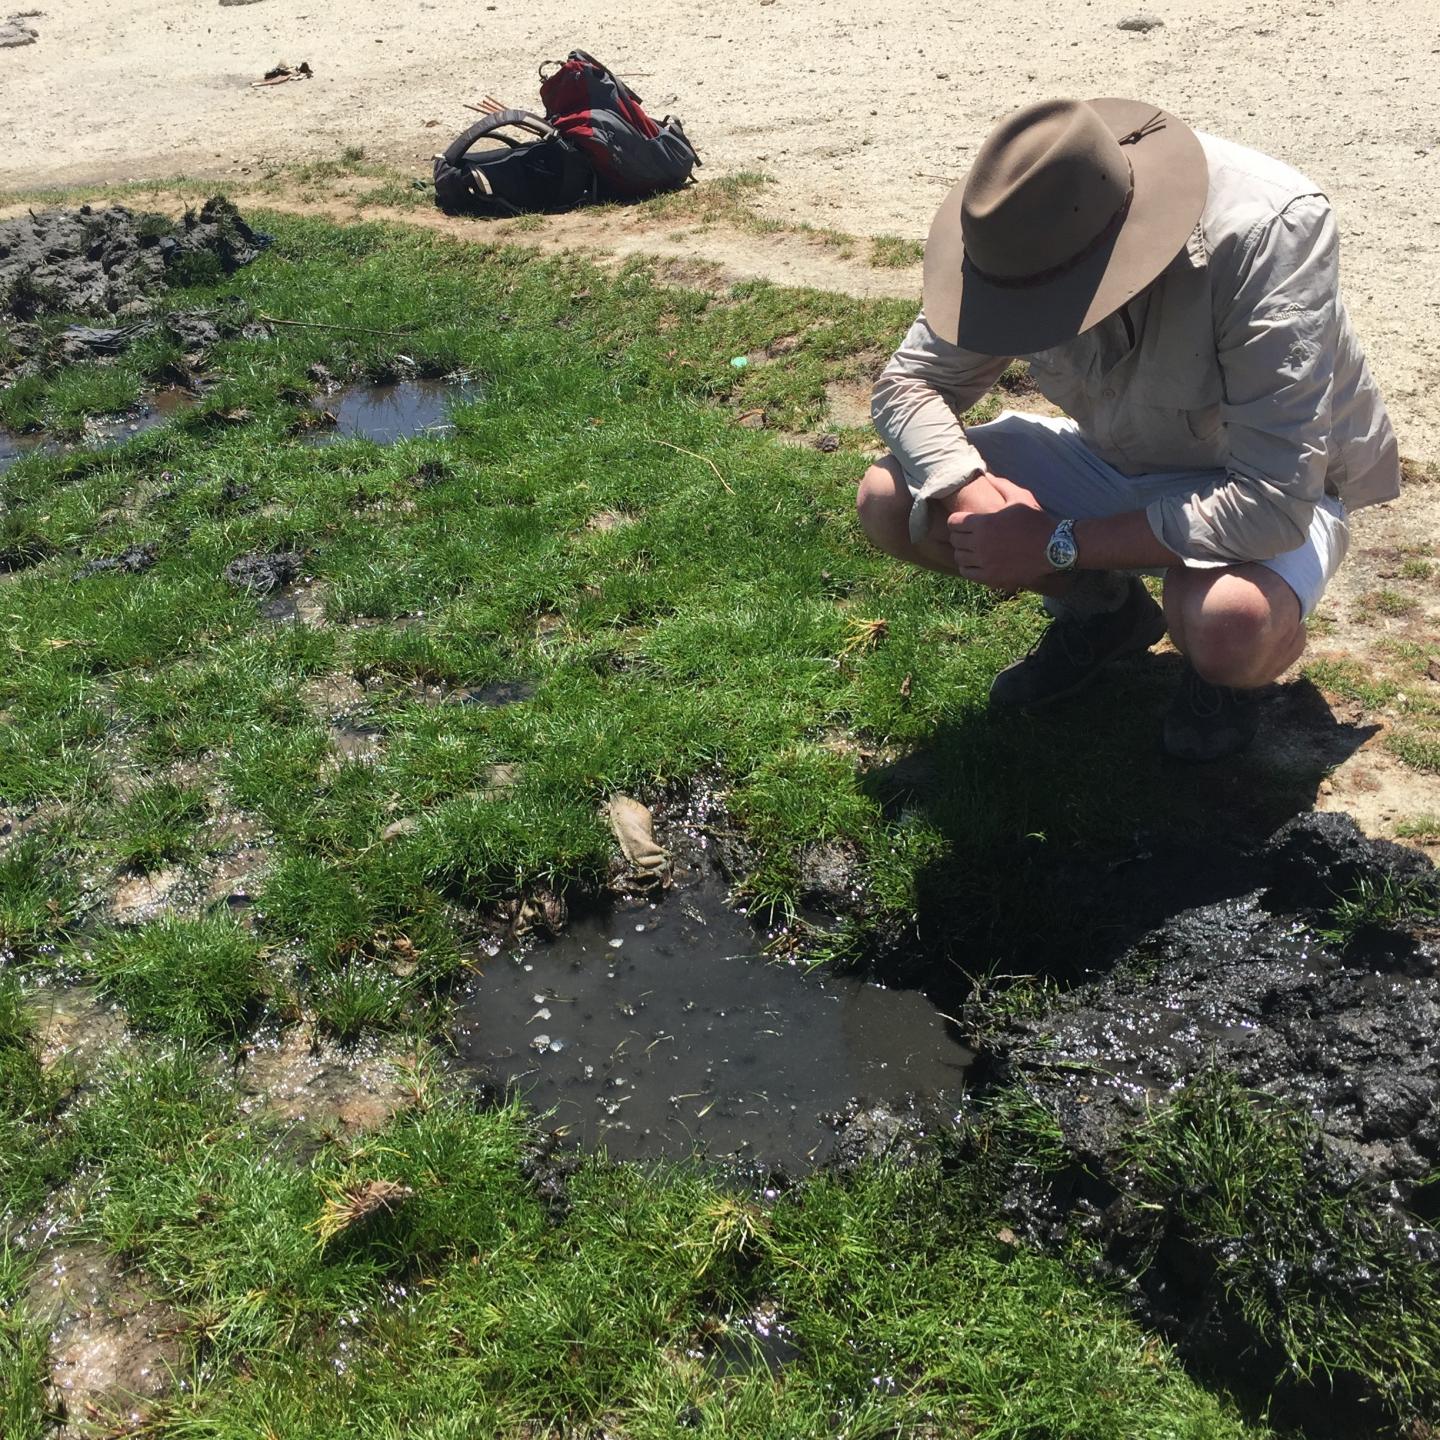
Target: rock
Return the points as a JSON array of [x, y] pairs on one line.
[[15, 32], [1141, 23]]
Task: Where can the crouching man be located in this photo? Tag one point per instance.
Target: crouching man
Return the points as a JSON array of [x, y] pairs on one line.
[[1177, 297]]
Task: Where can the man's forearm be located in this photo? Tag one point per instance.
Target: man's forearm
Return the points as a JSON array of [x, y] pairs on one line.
[[1121, 542]]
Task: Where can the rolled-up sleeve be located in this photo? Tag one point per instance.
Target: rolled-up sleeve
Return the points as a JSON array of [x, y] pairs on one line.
[[916, 406], [1276, 313]]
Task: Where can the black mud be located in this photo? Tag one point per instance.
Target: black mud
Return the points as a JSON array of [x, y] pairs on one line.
[[1264, 995], [1345, 1028], [102, 262], [264, 573]]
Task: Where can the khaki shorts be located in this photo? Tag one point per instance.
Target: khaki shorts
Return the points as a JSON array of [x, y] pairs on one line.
[[1048, 457]]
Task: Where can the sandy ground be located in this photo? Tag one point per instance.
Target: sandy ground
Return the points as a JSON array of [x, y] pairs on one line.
[[862, 113]]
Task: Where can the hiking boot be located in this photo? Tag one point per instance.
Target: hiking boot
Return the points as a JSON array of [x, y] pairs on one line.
[[1074, 649], [1208, 722]]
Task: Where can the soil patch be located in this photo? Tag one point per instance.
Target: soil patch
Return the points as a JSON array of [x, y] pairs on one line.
[[114, 1349], [299, 1079], [74, 1027]]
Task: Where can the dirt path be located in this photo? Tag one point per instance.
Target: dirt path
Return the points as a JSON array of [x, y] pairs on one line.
[[861, 112]]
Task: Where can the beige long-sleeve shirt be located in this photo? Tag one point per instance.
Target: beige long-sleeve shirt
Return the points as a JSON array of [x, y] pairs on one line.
[[1239, 359]]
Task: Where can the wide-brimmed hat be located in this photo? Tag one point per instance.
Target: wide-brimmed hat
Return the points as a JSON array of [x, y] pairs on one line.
[[1071, 208]]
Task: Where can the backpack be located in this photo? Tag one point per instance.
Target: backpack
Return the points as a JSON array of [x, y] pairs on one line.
[[601, 116], [595, 142], [542, 172]]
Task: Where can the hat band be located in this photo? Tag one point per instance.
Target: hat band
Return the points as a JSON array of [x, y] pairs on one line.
[[1043, 277]]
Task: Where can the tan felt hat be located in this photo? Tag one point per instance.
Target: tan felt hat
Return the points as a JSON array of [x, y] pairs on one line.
[[1071, 209]]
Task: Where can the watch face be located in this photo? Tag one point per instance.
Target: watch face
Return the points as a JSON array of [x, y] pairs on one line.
[[1061, 551]]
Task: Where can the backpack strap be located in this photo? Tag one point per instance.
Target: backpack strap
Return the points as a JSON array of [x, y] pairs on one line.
[[491, 126]]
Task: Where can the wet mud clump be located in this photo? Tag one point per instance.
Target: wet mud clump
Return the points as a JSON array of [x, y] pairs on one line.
[[110, 262], [1245, 1119], [263, 574], [1344, 1023], [134, 561]]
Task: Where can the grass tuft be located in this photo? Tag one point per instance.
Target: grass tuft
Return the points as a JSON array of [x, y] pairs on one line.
[[1322, 1277], [195, 980]]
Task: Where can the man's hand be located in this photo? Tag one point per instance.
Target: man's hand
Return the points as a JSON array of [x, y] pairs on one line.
[[1003, 548]]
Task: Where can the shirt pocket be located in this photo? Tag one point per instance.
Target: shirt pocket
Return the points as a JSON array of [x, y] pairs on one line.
[[1174, 419]]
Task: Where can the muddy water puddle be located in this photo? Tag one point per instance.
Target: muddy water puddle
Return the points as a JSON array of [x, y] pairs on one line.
[[386, 413], [101, 432], [657, 1030]]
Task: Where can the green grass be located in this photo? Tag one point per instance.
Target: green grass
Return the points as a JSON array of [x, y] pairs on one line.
[[1418, 749], [709, 638], [1386, 602], [888, 252], [1382, 905], [157, 825], [1352, 681], [24, 1373], [453, 1304], [31, 1160], [1418, 827]]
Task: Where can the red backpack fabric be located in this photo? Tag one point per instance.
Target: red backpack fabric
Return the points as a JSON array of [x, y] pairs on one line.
[[604, 119]]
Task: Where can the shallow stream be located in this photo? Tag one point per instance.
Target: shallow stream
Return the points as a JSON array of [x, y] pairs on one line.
[[153, 409]]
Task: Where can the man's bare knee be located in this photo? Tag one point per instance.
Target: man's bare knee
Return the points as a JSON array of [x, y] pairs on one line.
[[883, 505], [1240, 634]]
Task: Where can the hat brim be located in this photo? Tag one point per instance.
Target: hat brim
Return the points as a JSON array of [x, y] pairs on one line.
[[1171, 184]]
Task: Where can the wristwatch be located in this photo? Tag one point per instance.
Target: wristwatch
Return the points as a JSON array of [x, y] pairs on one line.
[[1062, 552]]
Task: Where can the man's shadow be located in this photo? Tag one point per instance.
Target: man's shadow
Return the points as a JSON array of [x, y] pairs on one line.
[[1068, 834]]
